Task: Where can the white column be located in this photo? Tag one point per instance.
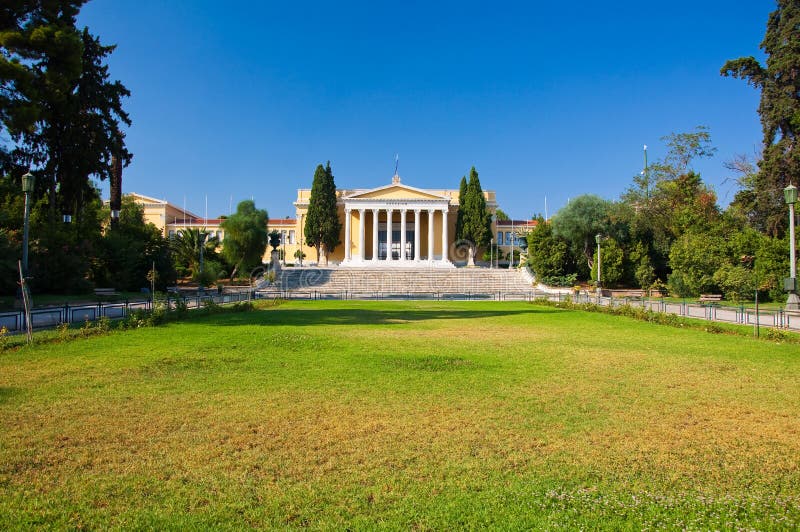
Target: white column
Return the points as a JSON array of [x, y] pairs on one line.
[[445, 258], [403, 235], [389, 213], [416, 234], [347, 240], [361, 223], [430, 234], [375, 234]]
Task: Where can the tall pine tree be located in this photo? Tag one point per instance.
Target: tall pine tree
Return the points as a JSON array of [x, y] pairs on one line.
[[57, 105], [322, 225], [476, 227], [779, 109]]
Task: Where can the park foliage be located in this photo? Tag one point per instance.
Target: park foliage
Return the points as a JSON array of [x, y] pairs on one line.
[[667, 230]]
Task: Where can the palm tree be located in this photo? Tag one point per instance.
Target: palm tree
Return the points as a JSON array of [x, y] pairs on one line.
[[185, 248]]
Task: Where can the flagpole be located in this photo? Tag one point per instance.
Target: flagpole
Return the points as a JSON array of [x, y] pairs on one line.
[[646, 175], [546, 217]]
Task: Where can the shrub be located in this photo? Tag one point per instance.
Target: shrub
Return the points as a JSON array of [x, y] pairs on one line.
[[210, 306], [694, 259], [180, 306], [559, 280], [736, 282], [63, 330], [103, 325], [776, 335], [4, 340]]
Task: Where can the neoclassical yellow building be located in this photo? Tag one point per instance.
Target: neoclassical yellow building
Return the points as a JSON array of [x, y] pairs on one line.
[[395, 225]]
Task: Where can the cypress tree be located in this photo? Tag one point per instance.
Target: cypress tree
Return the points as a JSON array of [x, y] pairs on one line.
[[462, 198], [322, 225], [477, 222]]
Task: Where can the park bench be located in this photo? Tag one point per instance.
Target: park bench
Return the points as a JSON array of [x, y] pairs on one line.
[[710, 298], [105, 292]]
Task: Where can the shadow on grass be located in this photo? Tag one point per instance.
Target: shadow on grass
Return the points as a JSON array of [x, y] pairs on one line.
[[6, 393], [361, 316]]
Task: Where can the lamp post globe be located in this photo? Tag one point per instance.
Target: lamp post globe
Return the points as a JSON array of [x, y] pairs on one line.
[[790, 284], [28, 183]]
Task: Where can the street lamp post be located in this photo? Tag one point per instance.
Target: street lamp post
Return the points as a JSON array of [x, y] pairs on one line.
[[790, 284], [491, 241], [598, 238], [202, 237], [28, 183]]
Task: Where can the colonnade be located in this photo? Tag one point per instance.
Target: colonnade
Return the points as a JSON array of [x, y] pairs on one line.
[[390, 226]]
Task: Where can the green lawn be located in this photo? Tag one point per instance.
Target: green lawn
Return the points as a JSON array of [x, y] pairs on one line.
[[420, 415]]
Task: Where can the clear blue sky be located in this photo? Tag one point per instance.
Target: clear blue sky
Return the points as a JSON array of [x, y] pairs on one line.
[[548, 99]]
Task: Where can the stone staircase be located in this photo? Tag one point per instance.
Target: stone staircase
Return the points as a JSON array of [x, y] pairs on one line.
[[401, 281]]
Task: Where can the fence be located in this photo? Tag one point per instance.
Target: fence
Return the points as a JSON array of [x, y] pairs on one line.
[[44, 317], [51, 316]]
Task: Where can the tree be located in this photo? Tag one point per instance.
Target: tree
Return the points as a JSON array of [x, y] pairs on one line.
[[501, 215], [779, 111], [476, 222], [695, 258], [57, 105], [548, 256], [579, 221], [128, 250], [640, 268], [682, 149], [667, 200], [245, 236], [462, 199], [322, 226], [611, 263], [185, 247]]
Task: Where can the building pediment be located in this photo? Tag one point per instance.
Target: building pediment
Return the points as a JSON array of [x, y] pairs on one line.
[[395, 191]]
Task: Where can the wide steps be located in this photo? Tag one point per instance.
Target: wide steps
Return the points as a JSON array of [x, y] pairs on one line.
[[462, 280]]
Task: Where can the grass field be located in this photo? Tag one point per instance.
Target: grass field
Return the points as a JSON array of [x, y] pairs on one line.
[[418, 415]]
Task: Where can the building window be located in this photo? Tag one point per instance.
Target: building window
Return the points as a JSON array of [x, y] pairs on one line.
[[499, 238], [283, 237], [508, 238], [291, 237], [172, 233]]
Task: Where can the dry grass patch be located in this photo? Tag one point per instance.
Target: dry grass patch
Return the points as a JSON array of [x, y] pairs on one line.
[[411, 415]]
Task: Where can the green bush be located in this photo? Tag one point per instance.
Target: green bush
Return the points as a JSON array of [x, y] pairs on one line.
[[736, 282], [611, 262], [694, 259], [559, 280]]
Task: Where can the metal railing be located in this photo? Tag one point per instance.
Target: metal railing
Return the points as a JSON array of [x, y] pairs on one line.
[[51, 316], [45, 317]]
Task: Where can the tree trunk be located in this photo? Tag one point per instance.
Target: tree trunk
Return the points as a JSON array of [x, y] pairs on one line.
[[322, 259]]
